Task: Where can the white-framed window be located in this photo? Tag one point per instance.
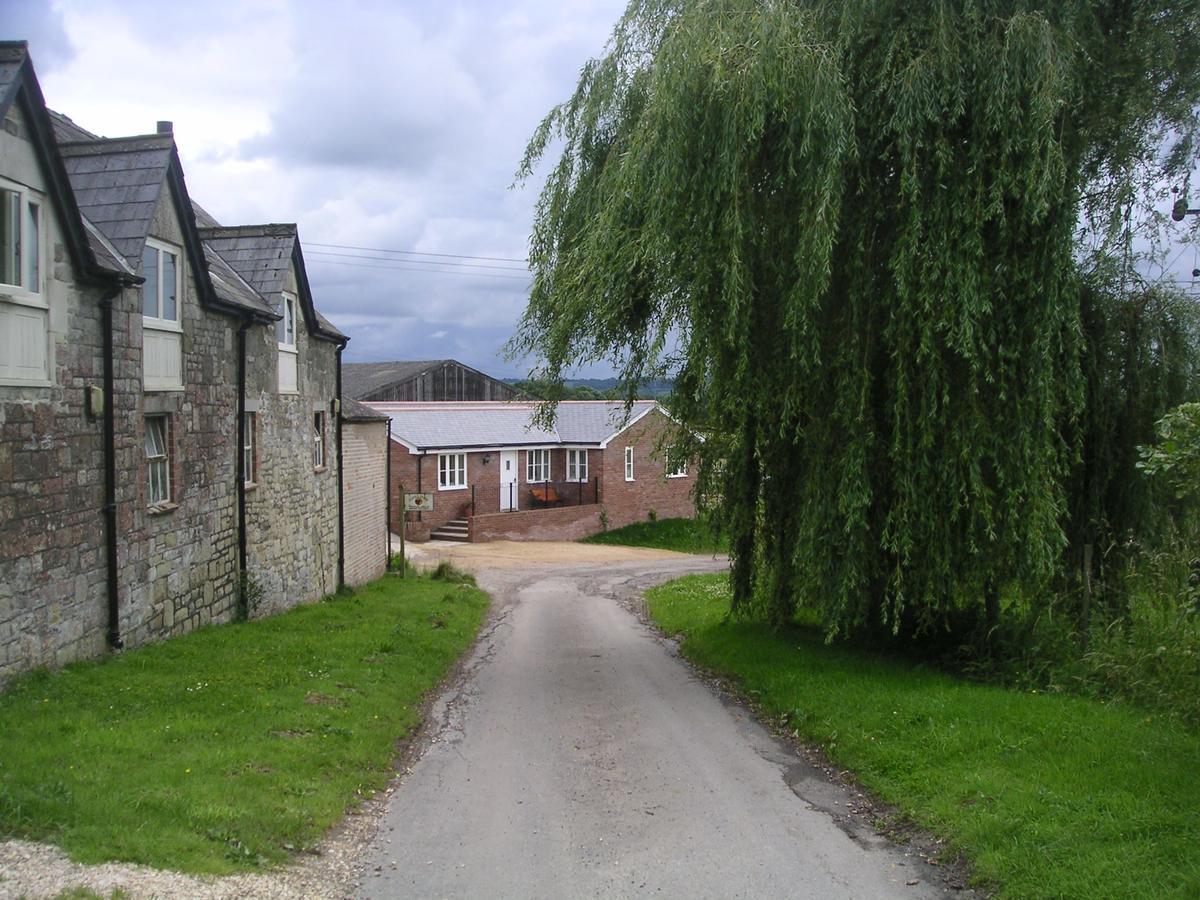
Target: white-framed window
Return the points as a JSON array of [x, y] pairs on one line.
[[318, 440], [20, 238], [285, 334], [250, 449], [679, 470], [161, 290], [24, 313], [158, 460], [537, 466], [629, 464], [162, 337], [577, 465], [452, 471]]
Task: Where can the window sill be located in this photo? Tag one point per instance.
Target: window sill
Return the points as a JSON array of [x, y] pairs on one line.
[[161, 509], [629, 479], [317, 470], [21, 297], [16, 382], [249, 486], [684, 475], [169, 325], [453, 487]]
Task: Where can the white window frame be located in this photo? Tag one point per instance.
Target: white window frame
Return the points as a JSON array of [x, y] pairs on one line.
[[23, 289], [452, 471], [577, 465], [318, 450], [25, 348], [680, 470], [160, 322], [250, 449], [537, 463], [289, 351], [629, 464], [156, 457]]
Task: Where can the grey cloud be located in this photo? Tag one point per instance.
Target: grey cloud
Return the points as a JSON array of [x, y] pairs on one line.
[[43, 26]]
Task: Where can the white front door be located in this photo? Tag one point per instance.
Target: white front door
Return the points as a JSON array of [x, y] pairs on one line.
[[508, 480]]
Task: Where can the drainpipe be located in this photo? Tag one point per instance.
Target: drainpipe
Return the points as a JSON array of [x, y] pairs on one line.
[[387, 493], [337, 405], [110, 471], [240, 467]]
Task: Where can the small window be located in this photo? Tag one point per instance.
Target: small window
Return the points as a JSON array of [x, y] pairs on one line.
[[577, 465], [452, 471], [679, 470], [160, 292], [537, 466], [158, 460], [318, 440], [629, 464], [285, 328], [249, 449], [20, 239]]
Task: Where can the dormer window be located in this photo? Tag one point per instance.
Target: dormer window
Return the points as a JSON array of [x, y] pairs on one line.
[[162, 335], [24, 337], [285, 332], [20, 239]]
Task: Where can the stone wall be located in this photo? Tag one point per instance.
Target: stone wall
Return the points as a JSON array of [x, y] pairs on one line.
[[364, 468], [178, 566], [53, 596], [291, 513]]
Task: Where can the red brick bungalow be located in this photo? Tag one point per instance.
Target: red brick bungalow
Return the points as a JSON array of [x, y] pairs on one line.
[[494, 474]]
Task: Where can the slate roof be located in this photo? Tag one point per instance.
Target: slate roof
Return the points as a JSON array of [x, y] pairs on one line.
[[66, 129], [460, 426], [117, 183], [262, 254], [353, 411], [12, 57], [360, 379]]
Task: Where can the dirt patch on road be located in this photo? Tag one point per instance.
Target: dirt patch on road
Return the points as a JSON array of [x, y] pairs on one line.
[[523, 554]]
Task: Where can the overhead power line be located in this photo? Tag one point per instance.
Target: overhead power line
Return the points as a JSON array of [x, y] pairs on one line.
[[402, 268], [415, 252], [426, 262]]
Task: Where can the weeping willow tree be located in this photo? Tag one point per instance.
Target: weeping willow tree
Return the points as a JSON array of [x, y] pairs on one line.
[[849, 231]]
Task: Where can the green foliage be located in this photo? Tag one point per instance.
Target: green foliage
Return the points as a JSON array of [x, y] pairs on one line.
[[848, 229], [1175, 458], [682, 535], [1048, 795], [231, 747]]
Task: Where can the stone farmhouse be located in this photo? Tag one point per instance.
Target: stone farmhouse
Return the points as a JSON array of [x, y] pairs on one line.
[[421, 381], [170, 438], [494, 473]]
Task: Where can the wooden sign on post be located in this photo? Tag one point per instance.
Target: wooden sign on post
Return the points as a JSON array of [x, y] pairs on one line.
[[418, 502]]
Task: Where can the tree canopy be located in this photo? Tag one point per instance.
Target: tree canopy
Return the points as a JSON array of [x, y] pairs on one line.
[[851, 230]]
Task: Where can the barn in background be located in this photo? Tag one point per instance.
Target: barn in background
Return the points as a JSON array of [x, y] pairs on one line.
[[421, 381]]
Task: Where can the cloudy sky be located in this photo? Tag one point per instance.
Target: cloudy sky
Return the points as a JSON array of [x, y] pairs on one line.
[[395, 125], [392, 125]]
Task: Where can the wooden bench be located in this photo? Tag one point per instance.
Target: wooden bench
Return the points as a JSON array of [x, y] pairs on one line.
[[544, 494]]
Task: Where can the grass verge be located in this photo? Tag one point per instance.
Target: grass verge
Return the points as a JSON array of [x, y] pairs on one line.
[[682, 535], [1049, 795], [229, 748]]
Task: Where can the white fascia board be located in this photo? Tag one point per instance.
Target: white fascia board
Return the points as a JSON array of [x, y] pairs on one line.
[[645, 412]]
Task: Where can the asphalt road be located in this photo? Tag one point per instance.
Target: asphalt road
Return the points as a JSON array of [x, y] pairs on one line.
[[580, 757]]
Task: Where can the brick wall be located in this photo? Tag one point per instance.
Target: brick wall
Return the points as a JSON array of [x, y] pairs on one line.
[[364, 467], [565, 523], [631, 501]]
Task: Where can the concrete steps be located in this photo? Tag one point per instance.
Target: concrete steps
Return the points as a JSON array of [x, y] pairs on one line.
[[454, 530]]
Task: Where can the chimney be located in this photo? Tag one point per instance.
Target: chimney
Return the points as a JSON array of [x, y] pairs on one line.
[[165, 127]]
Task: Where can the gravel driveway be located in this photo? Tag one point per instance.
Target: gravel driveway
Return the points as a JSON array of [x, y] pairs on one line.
[[575, 755]]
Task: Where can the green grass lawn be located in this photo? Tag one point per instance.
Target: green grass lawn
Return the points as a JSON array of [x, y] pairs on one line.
[[228, 748], [1048, 795], [683, 535]]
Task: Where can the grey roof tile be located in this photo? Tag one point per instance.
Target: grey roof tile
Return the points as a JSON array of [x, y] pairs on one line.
[[117, 184], [353, 411], [445, 426], [361, 379]]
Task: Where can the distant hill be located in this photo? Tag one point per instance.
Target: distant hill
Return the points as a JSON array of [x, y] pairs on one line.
[[597, 388]]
